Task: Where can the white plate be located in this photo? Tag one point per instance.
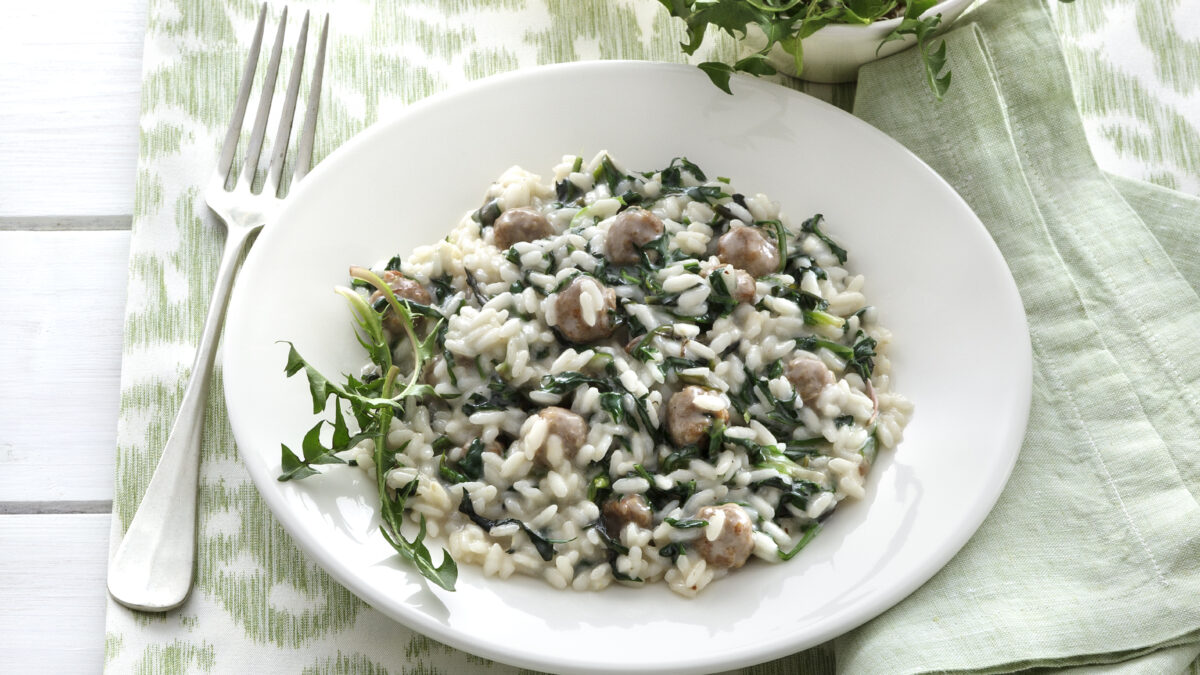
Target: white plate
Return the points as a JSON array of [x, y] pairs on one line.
[[961, 353]]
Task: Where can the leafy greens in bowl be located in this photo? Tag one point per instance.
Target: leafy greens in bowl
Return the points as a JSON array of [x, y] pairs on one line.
[[820, 40]]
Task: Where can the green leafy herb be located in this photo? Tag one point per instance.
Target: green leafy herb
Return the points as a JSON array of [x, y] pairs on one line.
[[680, 458], [480, 296], [612, 403], [449, 474], [934, 60], [615, 548], [721, 302], [502, 397], [644, 349], [672, 551], [487, 214], [470, 467], [813, 226], [599, 488], [806, 301], [794, 492], [472, 462], [672, 176], [373, 402], [816, 317], [568, 381], [797, 450], [787, 22], [392, 512], [680, 493], [608, 174], [685, 523], [295, 468], [860, 357], [808, 536], [568, 192], [544, 546]]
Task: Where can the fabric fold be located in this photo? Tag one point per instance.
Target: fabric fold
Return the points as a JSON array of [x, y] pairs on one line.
[[1092, 555]]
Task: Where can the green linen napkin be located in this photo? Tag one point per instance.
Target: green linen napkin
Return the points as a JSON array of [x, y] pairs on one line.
[[1092, 554], [260, 606]]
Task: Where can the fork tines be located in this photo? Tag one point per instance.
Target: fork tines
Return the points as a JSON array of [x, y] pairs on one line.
[[245, 178]]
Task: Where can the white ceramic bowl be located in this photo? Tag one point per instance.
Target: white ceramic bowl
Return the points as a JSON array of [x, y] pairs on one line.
[[938, 279], [836, 52]]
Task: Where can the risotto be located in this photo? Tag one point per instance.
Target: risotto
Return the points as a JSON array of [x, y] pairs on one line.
[[618, 376]]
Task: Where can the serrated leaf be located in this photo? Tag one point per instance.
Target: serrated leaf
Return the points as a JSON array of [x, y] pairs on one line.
[[934, 63], [851, 17], [942, 84], [870, 10], [756, 65], [776, 9], [318, 386], [341, 432], [311, 445], [719, 73], [293, 468], [916, 8], [731, 17]]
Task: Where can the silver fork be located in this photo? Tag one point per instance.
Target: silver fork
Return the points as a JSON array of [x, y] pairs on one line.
[[153, 566]]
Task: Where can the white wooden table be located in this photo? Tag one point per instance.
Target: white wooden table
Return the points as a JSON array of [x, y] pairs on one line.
[[70, 76]]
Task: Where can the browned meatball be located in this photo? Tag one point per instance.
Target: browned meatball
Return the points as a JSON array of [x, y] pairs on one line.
[[809, 377], [733, 546], [746, 248], [522, 224], [633, 228], [404, 289], [744, 289], [688, 422], [573, 322], [564, 428], [628, 509]]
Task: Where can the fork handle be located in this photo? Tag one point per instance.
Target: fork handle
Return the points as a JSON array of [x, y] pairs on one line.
[[153, 565]]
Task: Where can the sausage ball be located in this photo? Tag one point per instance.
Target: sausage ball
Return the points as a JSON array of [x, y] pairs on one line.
[[404, 289], [520, 224], [691, 413], [629, 509], [733, 544], [582, 310], [633, 228], [560, 437], [746, 248], [809, 377]]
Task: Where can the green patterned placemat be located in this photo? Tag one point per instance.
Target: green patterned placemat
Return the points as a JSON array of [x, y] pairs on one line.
[[259, 604]]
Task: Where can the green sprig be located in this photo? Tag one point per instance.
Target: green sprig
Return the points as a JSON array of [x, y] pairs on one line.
[[374, 403], [788, 22]]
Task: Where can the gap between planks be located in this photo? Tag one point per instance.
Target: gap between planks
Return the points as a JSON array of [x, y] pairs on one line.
[[55, 508], [65, 223]]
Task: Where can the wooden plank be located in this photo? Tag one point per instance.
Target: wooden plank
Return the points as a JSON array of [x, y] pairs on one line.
[[52, 570], [70, 77], [60, 351]]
